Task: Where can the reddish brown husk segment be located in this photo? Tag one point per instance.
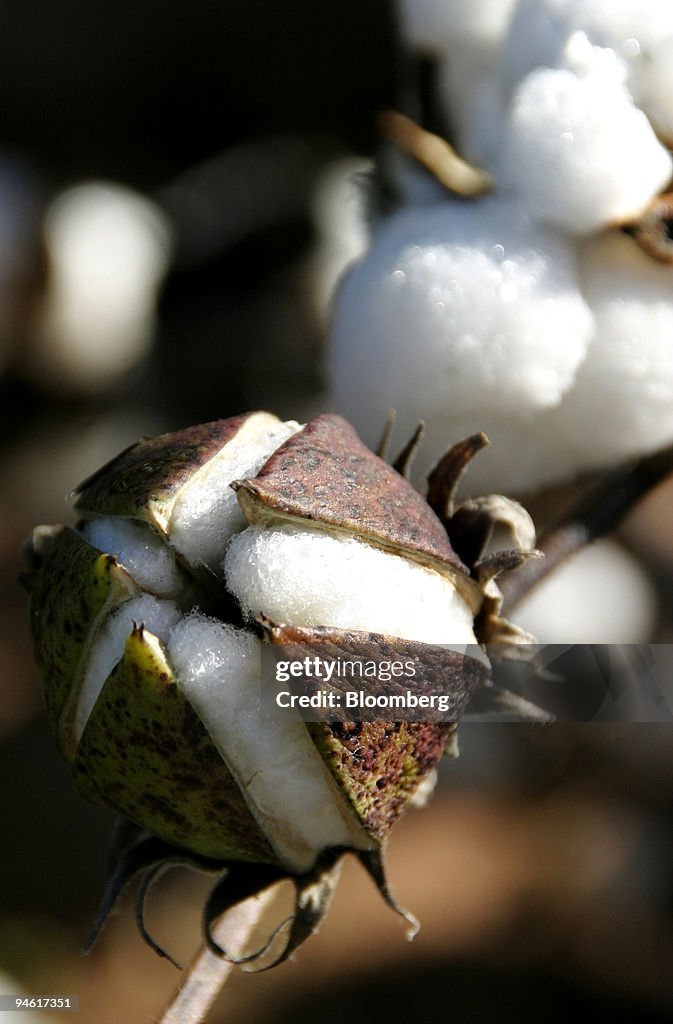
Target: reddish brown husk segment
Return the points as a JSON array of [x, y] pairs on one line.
[[327, 476], [141, 480], [379, 764]]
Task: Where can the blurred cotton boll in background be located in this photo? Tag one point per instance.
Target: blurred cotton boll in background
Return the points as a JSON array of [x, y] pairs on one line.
[[527, 314], [462, 314], [11, 988], [639, 31], [339, 217], [109, 249], [601, 595], [464, 37], [576, 150]]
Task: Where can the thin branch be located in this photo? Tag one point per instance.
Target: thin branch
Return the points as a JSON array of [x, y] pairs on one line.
[[598, 513], [208, 973]]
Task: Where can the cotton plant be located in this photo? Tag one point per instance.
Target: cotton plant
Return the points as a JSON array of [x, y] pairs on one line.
[[194, 555], [537, 313]]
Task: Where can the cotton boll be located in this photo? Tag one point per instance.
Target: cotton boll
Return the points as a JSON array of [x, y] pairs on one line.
[[622, 402], [651, 83], [576, 150], [599, 596], [206, 512], [338, 205], [140, 550], [109, 249], [287, 785], [157, 616], [468, 87], [640, 32], [282, 572], [458, 310]]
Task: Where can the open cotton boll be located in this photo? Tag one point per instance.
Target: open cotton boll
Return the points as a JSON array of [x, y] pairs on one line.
[[622, 402], [307, 577], [651, 83], [109, 249], [639, 31], [466, 36], [140, 550], [458, 309], [576, 150], [285, 780], [108, 647], [338, 206], [599, 596], [206, 512]]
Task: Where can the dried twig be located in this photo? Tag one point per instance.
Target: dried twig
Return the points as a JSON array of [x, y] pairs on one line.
[[598, 512], [436, 155], [207, 973]]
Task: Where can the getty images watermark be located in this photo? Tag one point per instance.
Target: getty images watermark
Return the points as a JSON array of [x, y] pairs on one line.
[[581, 683]]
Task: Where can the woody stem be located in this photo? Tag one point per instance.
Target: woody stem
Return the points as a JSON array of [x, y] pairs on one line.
[[607, 502]]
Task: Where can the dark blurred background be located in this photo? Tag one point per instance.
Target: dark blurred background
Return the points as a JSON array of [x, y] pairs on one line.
[[542, 870]]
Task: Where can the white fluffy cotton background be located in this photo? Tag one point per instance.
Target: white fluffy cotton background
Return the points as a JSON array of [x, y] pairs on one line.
[[576, 150], [640, 32], [457, 305], [622, 401], [527, 314]]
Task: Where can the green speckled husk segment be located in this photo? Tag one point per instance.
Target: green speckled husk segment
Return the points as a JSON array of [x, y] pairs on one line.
[[379, 765], [146, 754], [326, 475], [74, 589], [145, 479]]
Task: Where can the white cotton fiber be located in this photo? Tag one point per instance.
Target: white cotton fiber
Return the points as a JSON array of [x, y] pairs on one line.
[[433, 26], [622, 402], [272, 755], [457, 309], [599, 596], [108, 647], [338, 207], [142, 552], [640, 32], [308, 577], [577, 152], [206, 512]]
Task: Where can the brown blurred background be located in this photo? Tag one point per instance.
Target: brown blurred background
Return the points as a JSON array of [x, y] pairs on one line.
[[542, 870]]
